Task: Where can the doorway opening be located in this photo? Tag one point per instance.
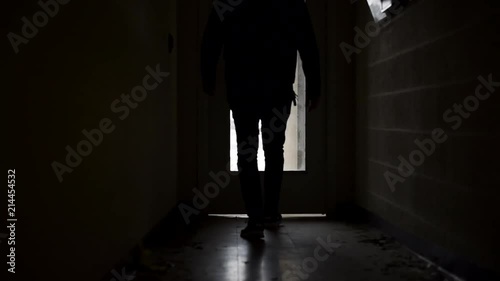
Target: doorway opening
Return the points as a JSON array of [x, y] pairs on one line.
[[295, 144]]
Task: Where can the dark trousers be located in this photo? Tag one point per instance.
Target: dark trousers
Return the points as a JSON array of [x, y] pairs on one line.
[[246, 120]]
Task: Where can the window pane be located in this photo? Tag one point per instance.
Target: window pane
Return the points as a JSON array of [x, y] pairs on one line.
[[378, 7]]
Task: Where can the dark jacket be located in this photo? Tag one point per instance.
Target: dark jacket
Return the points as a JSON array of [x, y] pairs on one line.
[[260, 39]]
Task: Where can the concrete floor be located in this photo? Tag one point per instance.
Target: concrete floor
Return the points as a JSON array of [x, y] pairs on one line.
[[313, 249]]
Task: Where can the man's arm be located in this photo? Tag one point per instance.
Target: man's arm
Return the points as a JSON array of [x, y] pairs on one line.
[[210, 52], [309, 53]]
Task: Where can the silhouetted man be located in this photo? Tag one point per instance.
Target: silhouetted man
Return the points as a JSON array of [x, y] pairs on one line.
[[260, 39]]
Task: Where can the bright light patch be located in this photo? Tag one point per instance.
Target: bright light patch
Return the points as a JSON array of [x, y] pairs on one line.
[[285, 216], [378, 8]]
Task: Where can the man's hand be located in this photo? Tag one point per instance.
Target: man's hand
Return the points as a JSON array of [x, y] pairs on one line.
[[312, 104]]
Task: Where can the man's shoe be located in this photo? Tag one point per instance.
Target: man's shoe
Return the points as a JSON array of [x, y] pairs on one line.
[[273, 222], [253, 231]]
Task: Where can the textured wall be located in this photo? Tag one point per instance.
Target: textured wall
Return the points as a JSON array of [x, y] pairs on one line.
[[61, 82], [421, 64], [340, 102]]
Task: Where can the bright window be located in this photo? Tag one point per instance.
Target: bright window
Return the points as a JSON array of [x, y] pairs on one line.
[[378, 8], [295, 144]]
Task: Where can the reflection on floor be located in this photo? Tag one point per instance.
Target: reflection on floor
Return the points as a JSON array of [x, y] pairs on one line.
[[303, 249]]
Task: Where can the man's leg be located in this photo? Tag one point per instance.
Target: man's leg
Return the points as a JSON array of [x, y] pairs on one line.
[[246, 122], [273, 138]]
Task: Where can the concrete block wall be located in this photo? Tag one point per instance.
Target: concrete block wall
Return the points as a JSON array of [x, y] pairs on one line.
[[425, 60]]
